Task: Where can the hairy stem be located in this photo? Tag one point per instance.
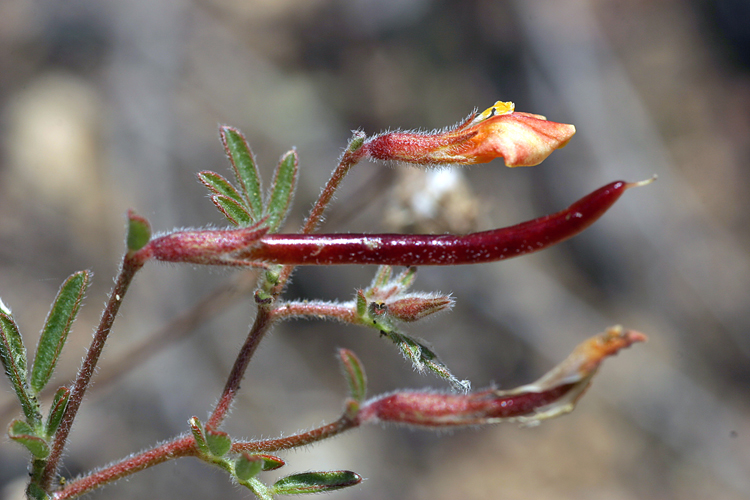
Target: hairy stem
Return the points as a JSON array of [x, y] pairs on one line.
[[265, 317], [129, 267], [350, 158], [261, 325], [318, 434], [344, 312], [183, 446]]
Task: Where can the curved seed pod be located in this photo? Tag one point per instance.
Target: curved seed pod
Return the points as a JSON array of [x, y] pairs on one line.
[[438, 250]]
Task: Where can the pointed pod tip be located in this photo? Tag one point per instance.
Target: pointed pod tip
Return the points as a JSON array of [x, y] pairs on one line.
[[644, 182]]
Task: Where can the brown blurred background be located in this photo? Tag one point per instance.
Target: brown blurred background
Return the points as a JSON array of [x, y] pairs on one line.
[[106, 106]]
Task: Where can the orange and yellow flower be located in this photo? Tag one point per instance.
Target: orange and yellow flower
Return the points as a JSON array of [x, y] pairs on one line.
[[521, 139]]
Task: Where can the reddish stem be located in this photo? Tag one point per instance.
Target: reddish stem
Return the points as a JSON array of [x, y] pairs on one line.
[[261, 325], [264, 319], [438, 250], [348, 160], [324, 432], [181, 447], [351, 157], [131, 264], [328, 310]]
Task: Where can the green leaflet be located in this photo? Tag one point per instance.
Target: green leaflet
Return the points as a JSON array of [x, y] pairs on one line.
[[282, 190], [22, 433], [245, 169], [56, 328], [315, 482], [219, 442], [354, 373], [13, 357], [218, 184], [57, 411], [247, 466], [235, 212], [139, 232]]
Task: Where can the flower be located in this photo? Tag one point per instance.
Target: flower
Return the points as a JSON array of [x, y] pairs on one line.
[[522, 139]]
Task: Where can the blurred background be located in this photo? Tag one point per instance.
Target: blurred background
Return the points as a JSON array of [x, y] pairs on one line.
[[106, 106]]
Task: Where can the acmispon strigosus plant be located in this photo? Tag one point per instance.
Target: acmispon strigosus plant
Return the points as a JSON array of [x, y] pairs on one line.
[[521, 139]]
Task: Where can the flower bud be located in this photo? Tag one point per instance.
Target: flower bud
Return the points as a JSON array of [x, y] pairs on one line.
[[522, 139], [414, 307]]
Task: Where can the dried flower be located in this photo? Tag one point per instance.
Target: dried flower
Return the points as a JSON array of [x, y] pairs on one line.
[[556, 393], [522, 139]]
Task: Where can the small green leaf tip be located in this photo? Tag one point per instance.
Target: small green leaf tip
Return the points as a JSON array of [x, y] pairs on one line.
[[247, 466], [218, 184], [59, 321], [244, 168], [196, 428], [354, 373], [35, 492], [139, 232], [271, 462], [22, 433], [315, 482], [236, 213], [356, 142], [282, 190], [219, 442], [57, 410]]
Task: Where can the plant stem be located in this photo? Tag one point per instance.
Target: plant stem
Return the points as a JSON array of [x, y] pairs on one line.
[[261, 325], [181, 447], [265, 316], [129, 267], [324, 432], [348, 160], [344, 312]]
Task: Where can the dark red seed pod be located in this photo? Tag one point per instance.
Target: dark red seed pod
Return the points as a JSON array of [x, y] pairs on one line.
[[438, 250]]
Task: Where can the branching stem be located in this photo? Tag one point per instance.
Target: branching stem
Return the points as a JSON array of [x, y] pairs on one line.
[[348, 160], [129, 267], [261, 325], [183, 446], [265, 317]]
